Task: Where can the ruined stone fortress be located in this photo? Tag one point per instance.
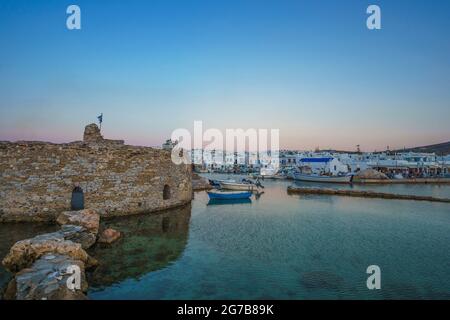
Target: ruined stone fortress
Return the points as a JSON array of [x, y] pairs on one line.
[[39, 180]]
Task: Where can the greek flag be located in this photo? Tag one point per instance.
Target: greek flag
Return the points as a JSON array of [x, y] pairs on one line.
[[100, 118]]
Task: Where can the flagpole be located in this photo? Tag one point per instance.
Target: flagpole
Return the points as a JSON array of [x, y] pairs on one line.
[[100, 120]]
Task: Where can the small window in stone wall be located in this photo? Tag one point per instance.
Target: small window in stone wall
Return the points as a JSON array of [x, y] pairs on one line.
[[166, 192], [77, 202]]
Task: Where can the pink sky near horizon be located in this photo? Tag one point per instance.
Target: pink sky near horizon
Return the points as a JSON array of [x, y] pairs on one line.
[[289, 139], [318, 75]]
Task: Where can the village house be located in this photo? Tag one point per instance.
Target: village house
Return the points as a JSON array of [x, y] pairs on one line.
[[326, 165]]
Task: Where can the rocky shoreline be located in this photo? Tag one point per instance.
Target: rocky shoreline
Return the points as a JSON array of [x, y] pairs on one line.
[[43, 265]]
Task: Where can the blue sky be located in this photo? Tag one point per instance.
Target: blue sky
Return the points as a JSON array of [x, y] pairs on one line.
[[309, 68]]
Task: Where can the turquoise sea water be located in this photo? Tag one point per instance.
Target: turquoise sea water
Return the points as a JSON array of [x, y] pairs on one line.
[[279, 246], [286, 247]]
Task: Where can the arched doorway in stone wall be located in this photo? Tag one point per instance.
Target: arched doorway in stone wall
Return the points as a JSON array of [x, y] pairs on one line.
[[166, 192], [77, 202]]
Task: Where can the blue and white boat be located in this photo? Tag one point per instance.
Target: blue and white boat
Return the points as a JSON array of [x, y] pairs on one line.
[[229, 195]]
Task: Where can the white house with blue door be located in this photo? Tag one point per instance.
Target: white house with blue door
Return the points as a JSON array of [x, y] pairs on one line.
[[323, 165]]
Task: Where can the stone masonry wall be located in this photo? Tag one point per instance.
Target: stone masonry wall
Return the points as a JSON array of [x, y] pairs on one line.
[[37, 178]]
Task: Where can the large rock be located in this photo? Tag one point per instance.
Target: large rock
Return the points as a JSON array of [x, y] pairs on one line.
[[371, 174], [24, 253], [87, 218], [79, 235], [109, 236], [47, 279]]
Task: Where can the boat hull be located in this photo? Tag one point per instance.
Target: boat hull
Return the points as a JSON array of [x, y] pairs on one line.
[[217, 195], [268, 172], [325, 179], [238, 186]]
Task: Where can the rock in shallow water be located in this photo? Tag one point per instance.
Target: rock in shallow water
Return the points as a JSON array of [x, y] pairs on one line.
[[79, 235], [24, 253], [47, 279], [109, 236], [87, 218]]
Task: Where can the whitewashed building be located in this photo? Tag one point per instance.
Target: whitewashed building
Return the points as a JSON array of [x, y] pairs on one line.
[[323, 165]]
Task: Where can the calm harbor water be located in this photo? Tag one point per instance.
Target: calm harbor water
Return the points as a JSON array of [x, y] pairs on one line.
[[281, 246], [284, 246]]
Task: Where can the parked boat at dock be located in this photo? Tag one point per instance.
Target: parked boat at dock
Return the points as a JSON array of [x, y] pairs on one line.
[[229, 195], [268, 172], [217, 183], [239, 186], [277, 176]]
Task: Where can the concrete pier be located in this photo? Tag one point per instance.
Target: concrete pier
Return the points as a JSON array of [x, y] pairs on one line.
[[362, 194], [357, 180]]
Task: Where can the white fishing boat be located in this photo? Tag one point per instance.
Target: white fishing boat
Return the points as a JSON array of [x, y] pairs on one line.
[[268, 172], [217, 183], [274, 177], [323, 178], [238, 186]]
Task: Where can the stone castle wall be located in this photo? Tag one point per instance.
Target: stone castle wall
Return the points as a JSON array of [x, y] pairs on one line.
[[37, 178]]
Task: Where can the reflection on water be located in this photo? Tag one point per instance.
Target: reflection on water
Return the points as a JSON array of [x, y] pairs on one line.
[[150, 242], [218, 202], [278, 246], [283, 246]]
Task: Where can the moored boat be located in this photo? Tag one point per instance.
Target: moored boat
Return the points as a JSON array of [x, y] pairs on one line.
[[268, 172], [238, 186], [229, 195], [323, 178], [216, 183]]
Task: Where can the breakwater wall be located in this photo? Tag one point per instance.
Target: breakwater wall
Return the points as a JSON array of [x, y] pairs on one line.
[[402, 181], [362, 194]]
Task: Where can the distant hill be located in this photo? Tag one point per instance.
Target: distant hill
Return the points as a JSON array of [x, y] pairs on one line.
[[439, 149]]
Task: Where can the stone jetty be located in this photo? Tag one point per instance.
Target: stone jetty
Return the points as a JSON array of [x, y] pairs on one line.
[[357, 180], [362, 194]]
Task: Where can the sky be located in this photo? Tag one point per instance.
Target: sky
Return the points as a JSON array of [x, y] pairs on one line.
[[310, 68]]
